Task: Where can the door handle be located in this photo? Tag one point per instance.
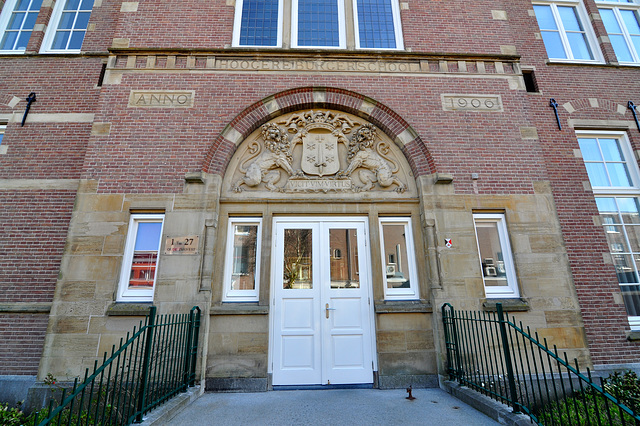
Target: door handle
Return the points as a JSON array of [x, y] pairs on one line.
[[327, 309]]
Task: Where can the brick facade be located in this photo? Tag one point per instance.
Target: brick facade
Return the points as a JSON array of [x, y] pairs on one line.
[[86, 154]]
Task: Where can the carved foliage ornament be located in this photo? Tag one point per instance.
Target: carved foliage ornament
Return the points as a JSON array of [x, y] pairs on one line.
[[318, 151]]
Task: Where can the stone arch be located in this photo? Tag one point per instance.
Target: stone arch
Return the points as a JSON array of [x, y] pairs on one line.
[[412, 146], [586, 104]]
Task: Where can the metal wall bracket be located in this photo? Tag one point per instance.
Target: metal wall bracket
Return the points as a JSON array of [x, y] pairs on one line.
[[30, 99], [553, 104], [633, 107]]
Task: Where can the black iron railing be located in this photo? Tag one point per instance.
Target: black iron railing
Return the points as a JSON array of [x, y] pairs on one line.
[[489, 353], [151, 366]]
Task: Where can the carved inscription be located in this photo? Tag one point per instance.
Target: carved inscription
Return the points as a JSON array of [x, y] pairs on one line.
[[161, 99], [484, 103], [305, 65]]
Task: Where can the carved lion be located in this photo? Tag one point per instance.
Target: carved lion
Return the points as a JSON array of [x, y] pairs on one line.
[[277, 155], [375, 168]]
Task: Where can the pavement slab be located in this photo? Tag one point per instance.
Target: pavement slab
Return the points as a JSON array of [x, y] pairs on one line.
[[331, 407]]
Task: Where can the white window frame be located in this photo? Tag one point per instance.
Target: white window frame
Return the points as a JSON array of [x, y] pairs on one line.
[[498, 292], [230, 295], [616, 6], [237, 26], [592, 41], [50, 34], [397, 27], [3, 129], [411, 293], [7, 10], [621, 192], [125, 294], [342, 34]]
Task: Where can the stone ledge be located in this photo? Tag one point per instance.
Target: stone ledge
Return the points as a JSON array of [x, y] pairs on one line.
[[403, 306], [26, 308], [163, 414], [633, 335], [239, 309], [494, 409], [508, 305], [128, 309], [236, 384]]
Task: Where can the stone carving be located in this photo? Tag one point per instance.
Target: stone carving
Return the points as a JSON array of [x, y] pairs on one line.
[[277, 155], [376, 167], [318, 151]]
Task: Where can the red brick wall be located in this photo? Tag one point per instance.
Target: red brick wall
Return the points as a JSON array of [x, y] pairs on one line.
[[21, 337]]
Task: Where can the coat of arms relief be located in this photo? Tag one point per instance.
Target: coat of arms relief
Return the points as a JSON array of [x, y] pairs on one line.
[[319, 151]]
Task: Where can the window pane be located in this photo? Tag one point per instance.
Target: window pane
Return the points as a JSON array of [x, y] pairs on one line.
[[148, 236], [15, 22], [318, 23], [629, 209], [22, 5], [8, 40], [60, 40], [619, 174], [589, 149], [579, 46], [630, 19], [553, 44], [545, 18], [344, 258], [611, 149], [86, 5], [72, 5], [245, 240], [492, 259], [631, 297], [597, 174], [376, 26], [625, 268], [23, 40], [76, 40], [569, 18], [259, 23], [145, 255], [82, 21], [610, 21], [395, 248], [298, 272], [66, 21]]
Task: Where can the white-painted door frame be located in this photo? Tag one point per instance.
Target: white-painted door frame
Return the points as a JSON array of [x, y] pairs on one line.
[[317, 337]]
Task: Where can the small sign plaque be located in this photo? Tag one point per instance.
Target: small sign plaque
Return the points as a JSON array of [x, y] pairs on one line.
[[182, 245]]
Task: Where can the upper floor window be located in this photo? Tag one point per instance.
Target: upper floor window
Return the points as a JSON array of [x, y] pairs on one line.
[[68, 26], [615, 179], [3, 127], [338, 24], [17, 21], [621, 21], [566, 32]]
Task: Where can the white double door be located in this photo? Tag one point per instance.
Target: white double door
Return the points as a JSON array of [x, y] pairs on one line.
[[321, 308]]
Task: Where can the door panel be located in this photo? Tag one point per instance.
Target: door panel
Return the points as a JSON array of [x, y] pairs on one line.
[[322, 312]]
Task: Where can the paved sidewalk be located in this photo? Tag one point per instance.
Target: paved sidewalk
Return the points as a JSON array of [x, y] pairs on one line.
[[331, 407]]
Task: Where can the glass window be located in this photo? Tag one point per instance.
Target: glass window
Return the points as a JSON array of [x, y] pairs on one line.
[[400, 277], [318, 23], [377, 24], [139, 270], [17, 21], [3, 127], [623, 28], [368, 24], [565, 31], [242, 261], [259, 23], [496, 262], [69, 23], [613, 174]]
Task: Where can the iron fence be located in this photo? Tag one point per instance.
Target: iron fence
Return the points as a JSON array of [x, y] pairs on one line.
[[154, 363], [489, 353]]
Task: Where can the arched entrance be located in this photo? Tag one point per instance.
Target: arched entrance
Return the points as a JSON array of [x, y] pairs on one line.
[[318, 205]]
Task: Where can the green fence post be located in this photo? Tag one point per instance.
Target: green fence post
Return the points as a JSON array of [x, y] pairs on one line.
[[507, 359], [186, 371], [144, 375]]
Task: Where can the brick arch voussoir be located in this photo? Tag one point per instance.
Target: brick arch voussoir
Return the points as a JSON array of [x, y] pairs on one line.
[[257, 114], [585, 105]]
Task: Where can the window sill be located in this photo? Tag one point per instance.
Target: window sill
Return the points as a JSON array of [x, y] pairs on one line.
[[633, 335], [403, 306], [128, 309], [508, 305], [239, 309]]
